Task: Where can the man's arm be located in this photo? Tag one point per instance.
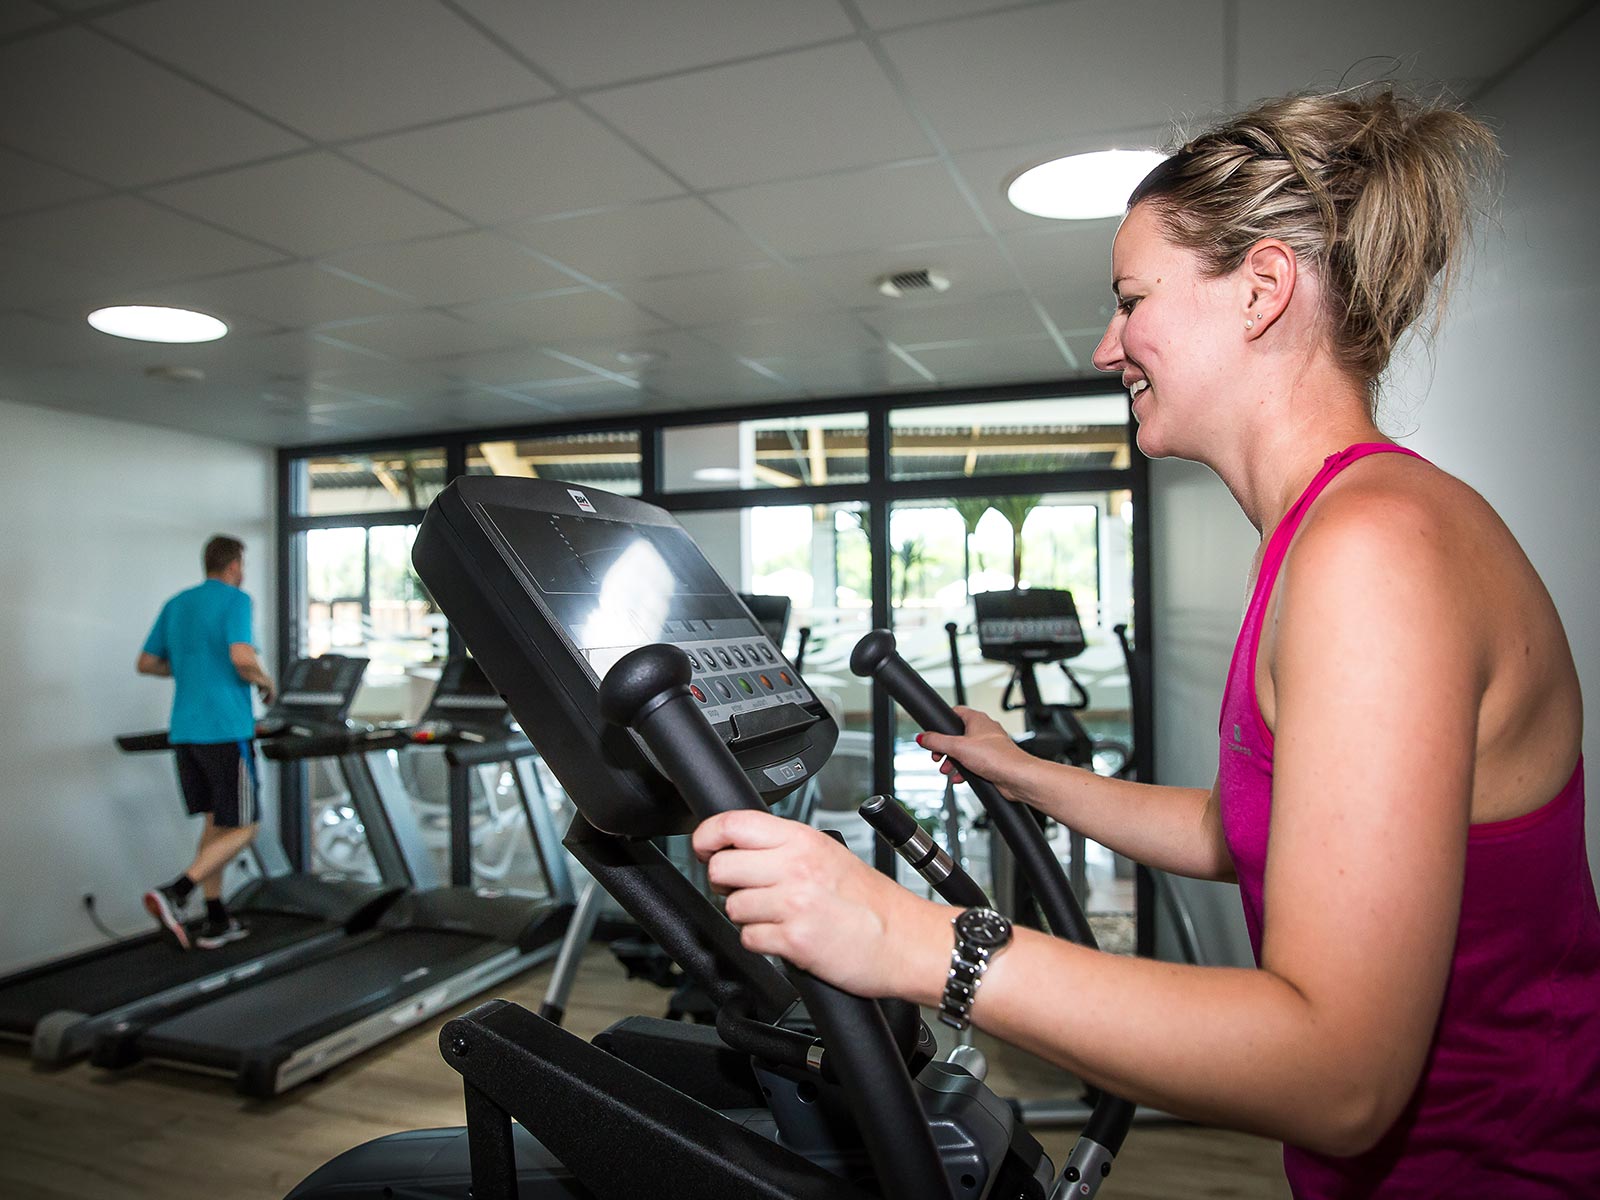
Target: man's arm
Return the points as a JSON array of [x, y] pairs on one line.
[[150, 664], [243, 657]]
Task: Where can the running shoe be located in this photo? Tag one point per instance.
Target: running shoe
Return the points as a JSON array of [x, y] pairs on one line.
[[216, 934], [163, 905]]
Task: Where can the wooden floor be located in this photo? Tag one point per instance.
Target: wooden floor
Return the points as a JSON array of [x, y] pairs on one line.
[[151, 1132]]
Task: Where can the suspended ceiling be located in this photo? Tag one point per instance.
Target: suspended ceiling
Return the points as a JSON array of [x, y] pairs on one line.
[[430, 214]]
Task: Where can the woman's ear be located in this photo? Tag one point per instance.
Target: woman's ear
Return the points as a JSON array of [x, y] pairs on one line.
[[1267, 279]]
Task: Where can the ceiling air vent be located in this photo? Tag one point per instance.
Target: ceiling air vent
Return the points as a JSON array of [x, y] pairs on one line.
[[906, 283]]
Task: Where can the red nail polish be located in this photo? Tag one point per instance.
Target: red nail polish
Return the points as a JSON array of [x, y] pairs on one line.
[[919, 739]]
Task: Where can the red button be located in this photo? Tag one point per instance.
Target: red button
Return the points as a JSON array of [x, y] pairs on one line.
[[695, 691]]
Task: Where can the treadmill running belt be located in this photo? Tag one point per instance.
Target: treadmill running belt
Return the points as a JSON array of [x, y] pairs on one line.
[[121, 974], [306, 1002]]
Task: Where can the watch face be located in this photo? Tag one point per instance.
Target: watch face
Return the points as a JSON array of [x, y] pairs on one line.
[[984, 927]]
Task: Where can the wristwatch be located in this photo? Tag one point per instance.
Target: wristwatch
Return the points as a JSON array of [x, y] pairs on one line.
[[981, 933]]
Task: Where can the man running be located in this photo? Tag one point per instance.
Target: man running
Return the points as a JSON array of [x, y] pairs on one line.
[[202, 641]]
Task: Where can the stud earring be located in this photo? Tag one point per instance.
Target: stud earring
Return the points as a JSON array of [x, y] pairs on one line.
[[1249, 324], [1258, 316]]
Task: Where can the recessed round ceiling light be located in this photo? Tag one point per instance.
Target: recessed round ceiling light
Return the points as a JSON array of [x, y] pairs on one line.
[[150, 323], [1082, 187]]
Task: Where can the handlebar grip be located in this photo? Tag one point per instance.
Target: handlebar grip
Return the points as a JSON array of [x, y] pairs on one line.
[[143, 743], [648, 691], [875, 657]]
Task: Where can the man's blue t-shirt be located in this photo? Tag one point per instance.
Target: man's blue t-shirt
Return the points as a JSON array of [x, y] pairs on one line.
[[210, 703]]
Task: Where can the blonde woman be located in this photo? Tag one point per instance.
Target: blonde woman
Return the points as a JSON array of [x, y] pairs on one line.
[[1400, 786]]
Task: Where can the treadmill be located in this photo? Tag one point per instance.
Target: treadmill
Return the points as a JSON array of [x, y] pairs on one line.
[[438, 944], [62, 1006]]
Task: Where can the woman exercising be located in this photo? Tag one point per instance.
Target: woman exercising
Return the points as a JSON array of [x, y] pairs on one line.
[[1400, 786]]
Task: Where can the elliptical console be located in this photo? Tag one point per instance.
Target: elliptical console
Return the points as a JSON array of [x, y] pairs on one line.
[[606, 575]]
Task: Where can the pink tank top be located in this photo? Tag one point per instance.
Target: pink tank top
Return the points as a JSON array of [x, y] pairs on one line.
[[1509, 1100]]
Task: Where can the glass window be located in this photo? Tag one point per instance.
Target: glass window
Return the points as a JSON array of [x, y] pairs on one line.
[[945, 551], [774, 452], [1009, 437], [382, 481], [363, 598], [609, 460]]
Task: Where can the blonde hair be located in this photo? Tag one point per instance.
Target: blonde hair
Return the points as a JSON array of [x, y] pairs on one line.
[[1373, 191]]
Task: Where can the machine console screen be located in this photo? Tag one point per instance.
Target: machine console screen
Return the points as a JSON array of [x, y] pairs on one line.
[[613, 586]]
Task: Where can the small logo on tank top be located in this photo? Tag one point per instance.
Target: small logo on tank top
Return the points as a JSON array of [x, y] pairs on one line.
[[1238, 742]]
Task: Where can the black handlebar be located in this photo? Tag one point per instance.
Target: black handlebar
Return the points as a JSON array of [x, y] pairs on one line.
[[648, 691], [875, 657]]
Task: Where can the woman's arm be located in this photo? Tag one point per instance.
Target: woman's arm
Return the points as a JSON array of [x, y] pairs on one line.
[[1377, 680], [1173, 829]]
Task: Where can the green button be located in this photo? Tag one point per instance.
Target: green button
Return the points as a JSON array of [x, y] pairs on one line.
[[744, 685]]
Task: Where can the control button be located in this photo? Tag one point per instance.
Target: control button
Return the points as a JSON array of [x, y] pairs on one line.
[[740, 658], [695, 691], [798, 768], [765, 682], [782, 773], [746, 686], [766, 653], [755, 655], [727, 660], [722, 688], [694, 663], [784, 675]]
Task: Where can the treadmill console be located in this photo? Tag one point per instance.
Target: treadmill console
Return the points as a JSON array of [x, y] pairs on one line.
[[318, 689], [551, 584], [1028, 626]]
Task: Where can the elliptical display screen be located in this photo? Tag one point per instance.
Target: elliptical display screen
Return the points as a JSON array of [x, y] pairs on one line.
[[550, 585], [616, 587]]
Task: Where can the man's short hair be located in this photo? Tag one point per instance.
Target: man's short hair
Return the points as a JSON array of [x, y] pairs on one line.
[[222, 552]]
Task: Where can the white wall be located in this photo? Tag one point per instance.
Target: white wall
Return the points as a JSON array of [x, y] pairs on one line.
[[1507, 401], [1513, 389], [103, 520], [1201, 546]]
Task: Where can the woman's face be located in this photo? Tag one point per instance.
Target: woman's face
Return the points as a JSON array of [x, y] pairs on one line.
[[1172, 339]]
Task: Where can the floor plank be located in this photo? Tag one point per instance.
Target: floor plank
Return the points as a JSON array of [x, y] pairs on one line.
[[156, 1132]]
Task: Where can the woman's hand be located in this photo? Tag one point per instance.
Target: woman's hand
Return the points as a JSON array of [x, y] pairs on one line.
[[985, 749], [797, 893]]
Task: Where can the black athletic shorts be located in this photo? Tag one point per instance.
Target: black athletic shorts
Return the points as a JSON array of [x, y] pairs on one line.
[[219, 779]]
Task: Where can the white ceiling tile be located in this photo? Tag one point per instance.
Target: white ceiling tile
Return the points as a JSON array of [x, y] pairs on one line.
[[515, 368], [807, 336], [420, 335], [974, 267], [796, 114], [79, 100], [457, 269], [17, 15], [860, 373], [941, 320], [334, 69], [1303, 44], [1018, 359], [309, 204], [727, 383], [130, 241], [1054, 71], [273, 357], [537, 161], [886, 14], [1072, 255], [27, 340], [565, 317], [597, 398], [395, 383], [829, 214], [294, 295], [28, 184], [720, 297], [642, 241], [470, 408], [641, 354], [35, 281], [656, 38]]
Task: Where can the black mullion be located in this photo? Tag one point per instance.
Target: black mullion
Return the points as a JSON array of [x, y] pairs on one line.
[[366, 520]]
